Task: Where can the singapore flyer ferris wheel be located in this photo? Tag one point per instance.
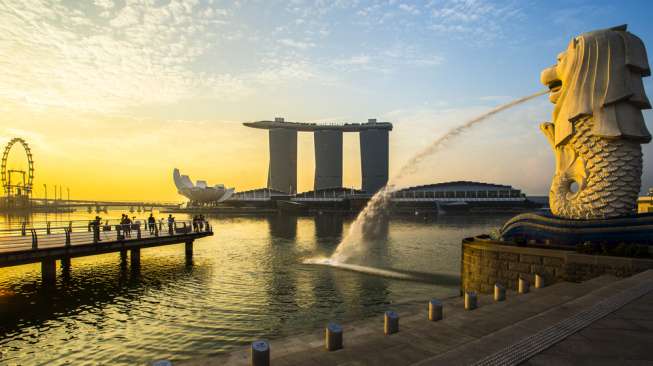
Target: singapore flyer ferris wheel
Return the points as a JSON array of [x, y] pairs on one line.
[[15, 182]]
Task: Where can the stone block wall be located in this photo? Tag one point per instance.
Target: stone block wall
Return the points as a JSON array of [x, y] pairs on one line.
[[486, 262]]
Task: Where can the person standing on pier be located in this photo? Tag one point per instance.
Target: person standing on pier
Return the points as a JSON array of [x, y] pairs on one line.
[[96, 229], [171, 224], [127, 226], [151, 221]]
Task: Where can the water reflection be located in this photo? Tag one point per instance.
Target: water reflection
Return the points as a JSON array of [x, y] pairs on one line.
[[329, 225], [84, 285], [247, 281]]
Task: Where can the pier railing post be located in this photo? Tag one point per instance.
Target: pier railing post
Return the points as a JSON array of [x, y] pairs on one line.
[[138, 231], [70, 226], [47, 230], [35, 240], [23, 231]]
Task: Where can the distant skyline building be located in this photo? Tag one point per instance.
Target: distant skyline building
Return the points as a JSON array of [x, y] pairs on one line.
[[328, 159], [200, 193], [374, 159], [282, 170]]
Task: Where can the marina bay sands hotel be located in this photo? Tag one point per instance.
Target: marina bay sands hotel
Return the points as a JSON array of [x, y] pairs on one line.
[[282, 172]]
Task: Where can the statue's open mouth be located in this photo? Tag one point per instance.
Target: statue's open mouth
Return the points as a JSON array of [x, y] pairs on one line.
[[554, 88]]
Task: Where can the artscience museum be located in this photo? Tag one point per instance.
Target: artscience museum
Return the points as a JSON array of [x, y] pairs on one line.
[[200, 193]]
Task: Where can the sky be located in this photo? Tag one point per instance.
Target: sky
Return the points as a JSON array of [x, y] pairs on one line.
[[112, 95]]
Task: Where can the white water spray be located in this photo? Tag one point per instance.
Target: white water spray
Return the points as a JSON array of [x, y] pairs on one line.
[[367, 224]]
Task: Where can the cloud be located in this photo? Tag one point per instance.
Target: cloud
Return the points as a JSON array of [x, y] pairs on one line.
[[296, 44], [412, 9], [117, 56], [480, 21], [126, 17], [354, 60], [104, 4]]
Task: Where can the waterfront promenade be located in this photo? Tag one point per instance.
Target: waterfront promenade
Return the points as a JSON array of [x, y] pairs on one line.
[[603, 321]]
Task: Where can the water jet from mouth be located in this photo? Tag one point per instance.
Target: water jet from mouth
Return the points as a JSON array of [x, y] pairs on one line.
[[369, 220]]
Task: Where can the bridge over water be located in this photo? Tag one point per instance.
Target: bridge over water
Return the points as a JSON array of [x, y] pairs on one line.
[[100, 205]]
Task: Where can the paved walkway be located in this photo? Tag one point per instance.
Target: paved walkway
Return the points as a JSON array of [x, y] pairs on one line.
[[619, 334], [625, 337]]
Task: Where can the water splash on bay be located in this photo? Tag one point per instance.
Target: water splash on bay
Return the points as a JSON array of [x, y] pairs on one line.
[[449, 279], [367, 223]]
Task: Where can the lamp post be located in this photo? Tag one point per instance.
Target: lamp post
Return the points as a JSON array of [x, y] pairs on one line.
[[68, 191], [45, 188]]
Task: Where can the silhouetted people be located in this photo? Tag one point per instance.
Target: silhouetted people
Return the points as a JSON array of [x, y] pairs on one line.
[[126, 224], [196, 223], [171, 224], [151, 221], [96, 229], [202, 222]]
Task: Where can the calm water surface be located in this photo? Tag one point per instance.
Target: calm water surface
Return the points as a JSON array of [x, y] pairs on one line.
[[245, 282]]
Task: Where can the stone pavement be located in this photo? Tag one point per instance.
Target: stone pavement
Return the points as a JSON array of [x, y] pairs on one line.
[[493, 330], [624, 337]]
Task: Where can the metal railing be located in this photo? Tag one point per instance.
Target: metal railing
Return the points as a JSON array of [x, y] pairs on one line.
[[25, 238], [78, 223]]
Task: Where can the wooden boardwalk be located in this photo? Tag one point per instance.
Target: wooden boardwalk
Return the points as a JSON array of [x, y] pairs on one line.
[[49, 244]]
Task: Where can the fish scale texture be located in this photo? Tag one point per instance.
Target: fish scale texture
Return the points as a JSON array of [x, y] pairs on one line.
[[613, 170]]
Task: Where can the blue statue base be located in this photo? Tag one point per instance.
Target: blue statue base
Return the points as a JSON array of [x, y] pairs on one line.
[[547, 230]]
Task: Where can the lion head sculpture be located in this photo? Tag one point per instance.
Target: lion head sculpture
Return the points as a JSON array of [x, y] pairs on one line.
[[600, 75]]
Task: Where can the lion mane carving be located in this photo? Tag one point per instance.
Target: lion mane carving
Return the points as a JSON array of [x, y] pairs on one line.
[[598, 126]]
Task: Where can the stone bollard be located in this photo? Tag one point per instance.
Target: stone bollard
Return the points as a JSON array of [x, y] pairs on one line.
[[435, 310], [260, 353], [333, 337], [499, 292], [470, 300], [391, 323], [523, 286], [539, 281], [161, 363]]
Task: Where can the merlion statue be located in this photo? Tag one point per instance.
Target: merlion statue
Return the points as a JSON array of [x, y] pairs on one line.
[[598, 127]]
